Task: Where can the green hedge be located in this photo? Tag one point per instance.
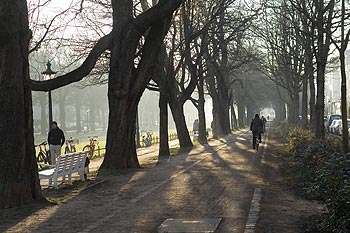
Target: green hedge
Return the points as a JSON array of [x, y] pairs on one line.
[[323, 173]]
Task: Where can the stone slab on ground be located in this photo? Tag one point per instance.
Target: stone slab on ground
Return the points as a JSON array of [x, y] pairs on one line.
[[205, 225]]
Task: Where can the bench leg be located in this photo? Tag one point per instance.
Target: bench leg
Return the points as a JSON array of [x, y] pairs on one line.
[[55, 183], [82, 175]]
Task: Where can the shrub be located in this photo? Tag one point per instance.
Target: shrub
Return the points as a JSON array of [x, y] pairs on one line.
[[282, 131], [323, 173]]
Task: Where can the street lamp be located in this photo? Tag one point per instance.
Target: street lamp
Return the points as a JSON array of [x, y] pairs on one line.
[[49, 74]]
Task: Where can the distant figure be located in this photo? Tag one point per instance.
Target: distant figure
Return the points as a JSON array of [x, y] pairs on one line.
[[56, 140], [263, 119], [268, 118], [256, 126]]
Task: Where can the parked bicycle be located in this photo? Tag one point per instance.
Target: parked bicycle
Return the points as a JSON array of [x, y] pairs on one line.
[[70, 146], [44, 154], [91, 148], [147, 137]]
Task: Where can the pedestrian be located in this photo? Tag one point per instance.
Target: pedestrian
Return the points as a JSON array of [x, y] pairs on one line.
[[256, 126], [56, 140]]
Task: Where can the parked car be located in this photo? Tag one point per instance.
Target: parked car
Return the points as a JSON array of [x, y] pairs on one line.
[[341, 128], [336, 126], [329, 120], [335, 123]]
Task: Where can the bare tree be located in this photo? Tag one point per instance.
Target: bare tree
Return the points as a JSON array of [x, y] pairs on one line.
[[127, 79]]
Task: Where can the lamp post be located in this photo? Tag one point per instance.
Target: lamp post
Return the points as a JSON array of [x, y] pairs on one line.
[[49, 74]]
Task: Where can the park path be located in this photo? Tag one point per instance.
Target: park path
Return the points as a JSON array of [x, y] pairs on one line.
[[144, 155], [224, 179]]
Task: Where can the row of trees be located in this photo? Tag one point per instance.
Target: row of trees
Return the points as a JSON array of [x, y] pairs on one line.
[[244, 56], [299, 36]]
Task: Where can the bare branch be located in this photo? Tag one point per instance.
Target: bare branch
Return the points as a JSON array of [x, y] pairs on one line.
[[78, 74]]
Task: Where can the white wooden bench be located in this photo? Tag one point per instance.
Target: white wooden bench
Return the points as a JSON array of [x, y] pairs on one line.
[[66, 165]]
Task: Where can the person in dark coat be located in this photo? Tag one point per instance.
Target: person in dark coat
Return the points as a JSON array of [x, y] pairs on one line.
[[256, 126], [56, 140]]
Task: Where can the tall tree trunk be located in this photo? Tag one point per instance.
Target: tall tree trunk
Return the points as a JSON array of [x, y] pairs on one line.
[[221, 118], [222, 77], [214, 123], [293, 108], [309, 75], [241, 112], [121, 146], [223, 113], [280, 111], [201, 112], [308, 32], [344, 111], [319, 107], [19, 181], [138, 134], [126, 83], [324, 33], [120, 143], [233, 118], [304, 114], [163, 126], [312, 101], [180, 124], [345, 130], [283, 111]]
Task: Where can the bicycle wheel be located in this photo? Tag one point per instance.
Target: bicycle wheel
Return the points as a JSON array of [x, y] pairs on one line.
[[66, 150], [73, 149], [41, 158], [48, 157], [88, 148]]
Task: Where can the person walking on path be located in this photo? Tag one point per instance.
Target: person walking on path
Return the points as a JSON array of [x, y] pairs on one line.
[[256, 126], [56, 140]]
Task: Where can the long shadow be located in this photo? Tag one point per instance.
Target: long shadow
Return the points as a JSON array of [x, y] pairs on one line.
[[12, 216], [116, 196], [204, 207], [208, 187]]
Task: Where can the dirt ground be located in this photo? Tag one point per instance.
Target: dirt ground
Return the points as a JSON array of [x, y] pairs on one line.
[[214, 180]]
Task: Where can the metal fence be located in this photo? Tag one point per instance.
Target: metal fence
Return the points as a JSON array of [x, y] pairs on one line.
[[155, 140]]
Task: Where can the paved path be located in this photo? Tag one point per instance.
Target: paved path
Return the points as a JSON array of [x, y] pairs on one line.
[[224, 179], [144, 154]]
